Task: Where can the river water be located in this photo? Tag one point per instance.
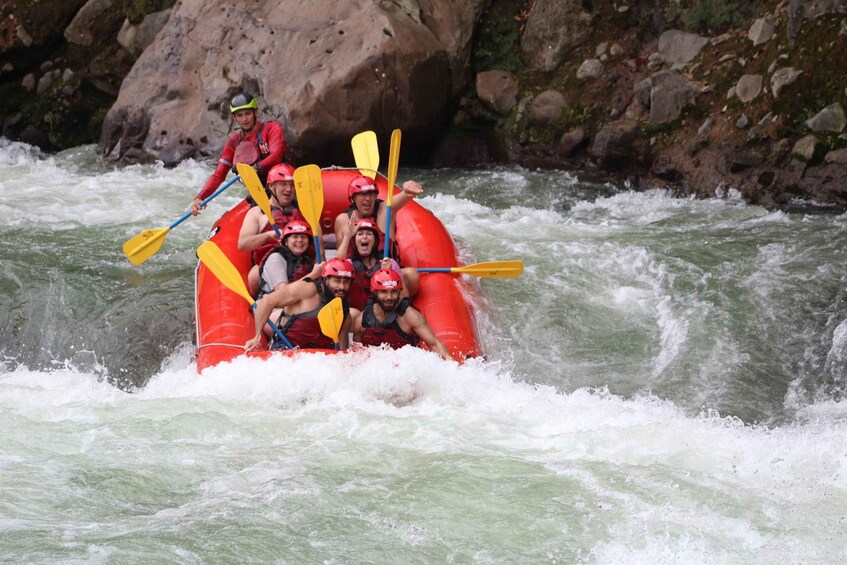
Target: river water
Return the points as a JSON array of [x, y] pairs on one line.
[[664, 384]]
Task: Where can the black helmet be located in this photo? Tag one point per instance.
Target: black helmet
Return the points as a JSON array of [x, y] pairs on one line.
[[242, 101]]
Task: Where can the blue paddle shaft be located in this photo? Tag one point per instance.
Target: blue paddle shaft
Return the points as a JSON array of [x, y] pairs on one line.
[[387, 228], [214, 195], [276, 329]]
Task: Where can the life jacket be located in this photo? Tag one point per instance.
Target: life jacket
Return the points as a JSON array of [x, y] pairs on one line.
[[393, 252], [296, 267], [303, 329], [281, 216], [258, 143], [360, 287], [388, 331]]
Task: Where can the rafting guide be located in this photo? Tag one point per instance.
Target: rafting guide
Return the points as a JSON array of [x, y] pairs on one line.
[[259, 144]]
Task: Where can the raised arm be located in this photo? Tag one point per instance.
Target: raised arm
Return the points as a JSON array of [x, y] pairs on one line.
[[411, 189]]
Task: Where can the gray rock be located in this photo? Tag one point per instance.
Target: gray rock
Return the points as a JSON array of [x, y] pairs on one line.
[[669, 94], [782, 78], [805, 147], [326, 70], [570, 142], [591, 68], [548, 106], [136, 38], [498, 90], [46, 81], [613, 146], [79, 31], [831, 118], [28, 82], [680, 47], [761, 31], [748, 87], [731, 93], [838, 156], [23, 36], [706, 127], [553, 28], [7, 68], [743, 121]]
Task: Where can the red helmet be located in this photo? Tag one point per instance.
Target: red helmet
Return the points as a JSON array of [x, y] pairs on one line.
[[386, 279], [338, 268], [367, 224], [360, 185], [296, 226], [281, 172]]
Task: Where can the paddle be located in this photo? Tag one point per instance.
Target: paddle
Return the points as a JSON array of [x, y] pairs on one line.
[[393, 161], [310, 197], [257, 191], [212, 256], [330, 318], [366, 153], [488, 270], [147, 243]]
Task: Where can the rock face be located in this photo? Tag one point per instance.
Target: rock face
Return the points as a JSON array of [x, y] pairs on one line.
[[325, 70], [553, 28]]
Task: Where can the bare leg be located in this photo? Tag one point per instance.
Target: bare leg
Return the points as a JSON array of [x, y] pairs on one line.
[[253, 280]]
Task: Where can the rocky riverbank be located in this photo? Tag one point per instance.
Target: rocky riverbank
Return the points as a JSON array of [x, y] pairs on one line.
[[707, 96]]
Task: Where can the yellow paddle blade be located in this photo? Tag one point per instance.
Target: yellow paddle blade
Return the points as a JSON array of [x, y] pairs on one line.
[[492, 269], [257, 191], [310, 194], [393, 162], [212, 256], [366, 153], [144, 245], [330, 318]]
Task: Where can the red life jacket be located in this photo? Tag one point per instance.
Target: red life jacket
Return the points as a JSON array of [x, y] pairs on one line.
[[303, 329], [360, 288], [393, 253], [282, 216], [389, 330]]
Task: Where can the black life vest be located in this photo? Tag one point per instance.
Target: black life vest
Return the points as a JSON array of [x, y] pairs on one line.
[[388, 331], [303, 329], [296, 267]]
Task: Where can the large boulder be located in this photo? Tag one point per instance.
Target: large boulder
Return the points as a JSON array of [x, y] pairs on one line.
[[553, 28], [325, 70]]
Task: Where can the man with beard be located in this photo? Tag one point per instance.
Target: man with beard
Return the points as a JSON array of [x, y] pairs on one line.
[[363, 236], [295, 307], [261, 144], [388, 318]]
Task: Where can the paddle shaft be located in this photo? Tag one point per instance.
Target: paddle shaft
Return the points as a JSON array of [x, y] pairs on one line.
[[276, 329], [202, 204]]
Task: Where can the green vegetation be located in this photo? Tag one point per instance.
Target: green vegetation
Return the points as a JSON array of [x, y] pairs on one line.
[[497, 41], [709, 16]]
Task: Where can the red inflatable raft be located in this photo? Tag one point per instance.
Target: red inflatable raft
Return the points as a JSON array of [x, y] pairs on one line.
[[224, 321]]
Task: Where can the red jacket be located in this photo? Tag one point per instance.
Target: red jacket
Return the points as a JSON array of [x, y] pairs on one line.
[[272, 149]]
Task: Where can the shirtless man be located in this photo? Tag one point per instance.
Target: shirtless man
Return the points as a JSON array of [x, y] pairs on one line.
[[386, 318], [295, 307], [257, 234]]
